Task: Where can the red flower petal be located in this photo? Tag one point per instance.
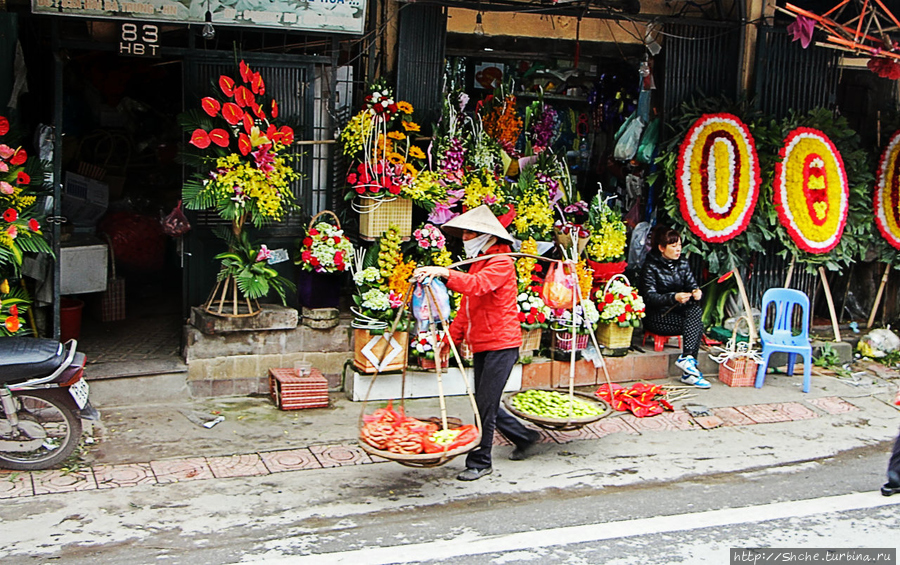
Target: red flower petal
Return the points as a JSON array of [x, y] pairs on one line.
[[33, 225], [248, 124], [246, 73], [270, 131], [274, 109], [12, 324], [244, 97], [14, 310], [257, 84], [227, 85], [288, 135], [23, 178], [211, 106], [232, 113], [259, 112], [244, 145], [11, 215], [4, 125], [220, 137], [200, 139], [19, 157]]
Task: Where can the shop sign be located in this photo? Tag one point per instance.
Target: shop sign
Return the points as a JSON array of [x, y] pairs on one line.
[[139, 40], [341, 16]]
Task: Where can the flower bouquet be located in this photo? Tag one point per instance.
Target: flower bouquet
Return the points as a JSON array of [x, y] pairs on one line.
[[605, 250], [244, 159], [324, 253], [621, 309], [422, 349], [586, 318], [386, 163], [21, 183], [573, 226]]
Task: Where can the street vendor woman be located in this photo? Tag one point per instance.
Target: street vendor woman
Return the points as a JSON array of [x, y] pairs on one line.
[[672, 296], [488, 321]]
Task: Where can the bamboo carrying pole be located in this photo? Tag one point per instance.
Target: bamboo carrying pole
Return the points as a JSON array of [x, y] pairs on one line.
[[827, 288], [884, 278], [743, 292]]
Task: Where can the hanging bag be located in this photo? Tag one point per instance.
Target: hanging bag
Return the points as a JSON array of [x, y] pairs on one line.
[[176, 223], [111, 305], [559, 287]]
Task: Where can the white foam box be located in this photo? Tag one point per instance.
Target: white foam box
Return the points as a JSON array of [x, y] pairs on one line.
[[82, 269], [420, 384]]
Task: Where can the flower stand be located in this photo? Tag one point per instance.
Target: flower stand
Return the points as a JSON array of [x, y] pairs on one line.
[[227, 300], [375, 354], [319, 290], [377, 214], [531, 341], [614, 336]]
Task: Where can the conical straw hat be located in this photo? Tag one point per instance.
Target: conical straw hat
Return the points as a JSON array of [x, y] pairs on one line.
[[480, 220]]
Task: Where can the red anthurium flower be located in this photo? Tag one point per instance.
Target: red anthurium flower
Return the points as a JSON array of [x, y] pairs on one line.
[[257, 84], [19, 157], [274, 109], [12, 324], [246, 73], [232, 113], [277, 137], [259, 112], [244, 97], [211, 106], [23, 178], [288, 135], [725, 277], [244, 145], [270, 131], [227, 85], [200, 139], [248, 124], [4, 125], [33, 225], [11, 215], [219, 136]]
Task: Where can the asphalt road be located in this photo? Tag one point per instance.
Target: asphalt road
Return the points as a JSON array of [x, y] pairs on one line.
[[830, 502]]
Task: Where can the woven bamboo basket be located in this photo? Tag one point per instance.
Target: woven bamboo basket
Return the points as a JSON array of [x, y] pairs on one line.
[[560, 424], [739, 370], [613, 335], [376, 216], [531, 341]]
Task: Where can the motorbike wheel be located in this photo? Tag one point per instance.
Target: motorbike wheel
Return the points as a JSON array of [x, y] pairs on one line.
[[61, 424]]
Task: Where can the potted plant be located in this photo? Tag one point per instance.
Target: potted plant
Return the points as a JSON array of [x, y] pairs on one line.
[[324, 253], [243, 160], [620, 309]]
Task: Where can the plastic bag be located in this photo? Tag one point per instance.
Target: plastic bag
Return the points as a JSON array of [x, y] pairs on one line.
[[559, 287], [647, 147], [176, 223], [878, 343], [628, 138], [424, 308]]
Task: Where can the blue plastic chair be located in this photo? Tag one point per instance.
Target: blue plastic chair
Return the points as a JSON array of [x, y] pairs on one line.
[[782, 338]]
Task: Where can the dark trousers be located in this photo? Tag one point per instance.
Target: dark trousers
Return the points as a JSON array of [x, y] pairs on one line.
[[492, 369], [893, 472], [684, 320]]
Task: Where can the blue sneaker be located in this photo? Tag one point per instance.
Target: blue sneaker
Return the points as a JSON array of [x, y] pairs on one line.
[[698, 382], [688, 365]]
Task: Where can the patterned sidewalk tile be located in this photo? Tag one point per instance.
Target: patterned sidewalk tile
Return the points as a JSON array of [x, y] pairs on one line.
[[833, 405], [708, 422], [237, 466], [765, 413], [290, 460], [340, 455], [178, 470], [731, 417], [50, 482], [608, 426], [667, 421], [572, 435], [112, 476], [14, 484], [796, 411]]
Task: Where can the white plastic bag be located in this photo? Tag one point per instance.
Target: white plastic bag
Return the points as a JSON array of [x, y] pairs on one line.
[[628, 138]]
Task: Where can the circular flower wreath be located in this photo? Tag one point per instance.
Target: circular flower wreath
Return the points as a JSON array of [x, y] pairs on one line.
[[718, 178], [811, 190], [887, 192]]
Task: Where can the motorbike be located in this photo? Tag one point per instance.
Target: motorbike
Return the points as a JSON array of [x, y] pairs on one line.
[[43, 398]]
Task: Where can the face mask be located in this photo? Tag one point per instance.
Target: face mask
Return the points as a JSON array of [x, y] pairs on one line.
[[474, 245]]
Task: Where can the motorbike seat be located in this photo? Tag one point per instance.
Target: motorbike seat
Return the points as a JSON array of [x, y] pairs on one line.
[[28, 358]]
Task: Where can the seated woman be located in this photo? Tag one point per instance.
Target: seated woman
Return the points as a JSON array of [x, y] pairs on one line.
[[672, 296]]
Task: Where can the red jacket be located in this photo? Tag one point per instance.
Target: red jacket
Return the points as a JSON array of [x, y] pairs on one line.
[[488, 314]]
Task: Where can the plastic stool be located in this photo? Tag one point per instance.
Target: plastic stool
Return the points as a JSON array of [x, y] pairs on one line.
[[659, 341]]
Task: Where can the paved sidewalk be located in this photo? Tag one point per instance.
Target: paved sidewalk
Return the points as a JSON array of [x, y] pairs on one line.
[[148, 445]]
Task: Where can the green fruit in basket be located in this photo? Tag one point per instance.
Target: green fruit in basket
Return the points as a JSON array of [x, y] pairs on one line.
[[551, 404]]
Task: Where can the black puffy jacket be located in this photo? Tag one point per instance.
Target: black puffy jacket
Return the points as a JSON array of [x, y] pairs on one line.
[[662, 278]]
